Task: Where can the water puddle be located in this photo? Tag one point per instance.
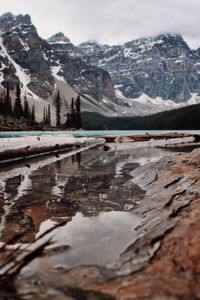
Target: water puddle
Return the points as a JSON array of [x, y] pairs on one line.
[[92, 240], [89, 189]]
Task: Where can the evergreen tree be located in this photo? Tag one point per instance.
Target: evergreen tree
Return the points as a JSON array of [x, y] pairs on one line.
[[44, 116], [2, 105], [49, 115], [32, 118], [18, 111], [78, 112], [26, 108], [68, 121], [46, 113], [7, 101], [72, 115], [58, 107]]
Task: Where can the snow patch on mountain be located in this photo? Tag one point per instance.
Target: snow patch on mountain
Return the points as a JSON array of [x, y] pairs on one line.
[[59, 38], [55, 70], [59, 42], [23, 77], [162, 67], [150, 74], [145, 105], [1, 77], [26, 47], [195, 99], [145, 99]]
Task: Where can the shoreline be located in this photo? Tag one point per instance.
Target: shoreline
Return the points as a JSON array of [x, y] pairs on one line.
[[21, 148]]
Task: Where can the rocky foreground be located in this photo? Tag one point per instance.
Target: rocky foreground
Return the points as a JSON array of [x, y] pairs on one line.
[[173, 272], [163, 262], [11, 124]]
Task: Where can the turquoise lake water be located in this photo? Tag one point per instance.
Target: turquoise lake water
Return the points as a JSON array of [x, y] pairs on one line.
[[87, 133]]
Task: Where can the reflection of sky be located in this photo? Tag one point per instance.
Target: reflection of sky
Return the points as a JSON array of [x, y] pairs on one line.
[[94, 240]]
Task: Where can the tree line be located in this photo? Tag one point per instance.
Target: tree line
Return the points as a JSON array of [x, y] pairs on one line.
[[178, 119], [18, 110], [27, 112], [73, 120]]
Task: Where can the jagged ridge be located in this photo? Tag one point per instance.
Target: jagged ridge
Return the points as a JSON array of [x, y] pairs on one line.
[[146, 72], [40, 64], [162, 66]]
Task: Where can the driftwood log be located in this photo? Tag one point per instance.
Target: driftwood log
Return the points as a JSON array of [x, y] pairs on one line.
[[148, 137], [23, 147]]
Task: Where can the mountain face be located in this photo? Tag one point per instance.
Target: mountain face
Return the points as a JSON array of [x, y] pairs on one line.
[[141, 77], [38, 64], [22, 48], [162, 66], [88, 79]]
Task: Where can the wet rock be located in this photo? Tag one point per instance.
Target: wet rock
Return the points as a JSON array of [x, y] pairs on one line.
[[144, 179], [27, 221], [56, 249], [163, 260]]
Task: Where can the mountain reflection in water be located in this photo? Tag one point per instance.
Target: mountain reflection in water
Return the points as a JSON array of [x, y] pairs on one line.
[[87, 188]]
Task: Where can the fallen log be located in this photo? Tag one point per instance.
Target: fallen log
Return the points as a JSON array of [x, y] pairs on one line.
[[148, 137], [23, 147], [34, 150]]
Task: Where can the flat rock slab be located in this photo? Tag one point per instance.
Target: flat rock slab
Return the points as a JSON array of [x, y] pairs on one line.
[[162, 263]]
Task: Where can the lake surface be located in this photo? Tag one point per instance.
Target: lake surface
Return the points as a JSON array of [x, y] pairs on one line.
[[85, 188], [87, 133]]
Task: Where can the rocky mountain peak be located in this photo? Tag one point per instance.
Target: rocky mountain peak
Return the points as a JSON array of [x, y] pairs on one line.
[[58, 38], [5, 21], [62, 45], [7, 16], [42, 65], [23, 19], [162, 42], [160, 66], [91, 47], [9, 22], [89, 43], [19, 34]]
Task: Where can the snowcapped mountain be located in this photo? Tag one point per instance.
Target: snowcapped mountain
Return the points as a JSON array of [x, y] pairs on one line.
[[43, 67], [161, 66], [141, 77]]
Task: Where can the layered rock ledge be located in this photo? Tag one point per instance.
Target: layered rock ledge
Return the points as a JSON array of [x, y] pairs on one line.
[[163, 260]]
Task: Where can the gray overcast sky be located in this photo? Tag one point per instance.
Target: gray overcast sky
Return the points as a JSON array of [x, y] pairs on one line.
[[111, 21]]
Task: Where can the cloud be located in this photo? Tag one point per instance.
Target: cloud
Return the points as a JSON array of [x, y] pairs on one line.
[[111, 21]]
